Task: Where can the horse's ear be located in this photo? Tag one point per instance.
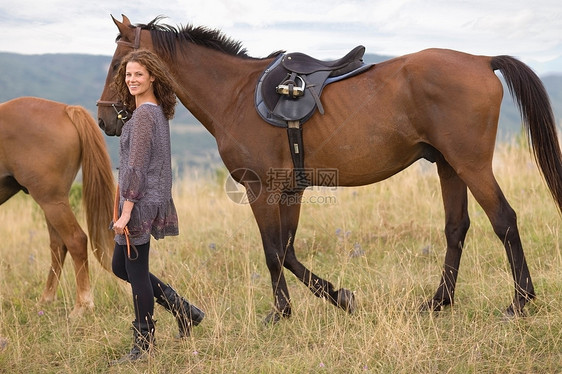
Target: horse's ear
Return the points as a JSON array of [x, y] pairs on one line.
[[126, 20], [117, 23], [122, 26]]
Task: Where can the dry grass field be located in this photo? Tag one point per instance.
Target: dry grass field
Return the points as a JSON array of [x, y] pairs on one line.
[[384, 241]]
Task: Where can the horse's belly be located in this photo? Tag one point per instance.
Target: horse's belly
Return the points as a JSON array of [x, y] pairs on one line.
[[356, 166]]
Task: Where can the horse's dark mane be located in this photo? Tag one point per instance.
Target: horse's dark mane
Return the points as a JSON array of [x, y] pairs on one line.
[[165, 37]]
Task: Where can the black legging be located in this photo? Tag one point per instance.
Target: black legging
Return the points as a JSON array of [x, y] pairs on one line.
[[144, 284]]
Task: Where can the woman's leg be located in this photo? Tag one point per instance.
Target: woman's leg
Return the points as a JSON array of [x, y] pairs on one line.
[[118, 262], [158, 286], [140, 280], [136, 273], [119, 269]]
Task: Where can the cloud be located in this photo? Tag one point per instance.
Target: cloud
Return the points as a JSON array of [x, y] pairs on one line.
[[324, 29]]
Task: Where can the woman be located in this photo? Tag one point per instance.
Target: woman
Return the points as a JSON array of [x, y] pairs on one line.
[[145, 198]]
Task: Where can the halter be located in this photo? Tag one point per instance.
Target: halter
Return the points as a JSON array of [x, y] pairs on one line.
[[122, 114], [136, 44]]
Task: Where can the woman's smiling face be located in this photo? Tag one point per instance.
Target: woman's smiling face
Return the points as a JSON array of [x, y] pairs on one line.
[[138, 79]]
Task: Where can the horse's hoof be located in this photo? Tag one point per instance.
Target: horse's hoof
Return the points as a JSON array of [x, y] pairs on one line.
[[3, 343], [275, 316], [80, 310], [512, 313], [272, 318], [346, 300], [431, 306]]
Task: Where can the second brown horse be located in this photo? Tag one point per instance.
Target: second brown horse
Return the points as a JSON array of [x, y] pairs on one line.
[[43, 145]]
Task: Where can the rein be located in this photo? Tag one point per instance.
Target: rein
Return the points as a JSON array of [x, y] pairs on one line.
[[126, 230]]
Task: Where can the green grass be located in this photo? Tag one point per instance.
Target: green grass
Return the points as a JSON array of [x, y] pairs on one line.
[[384, 241]]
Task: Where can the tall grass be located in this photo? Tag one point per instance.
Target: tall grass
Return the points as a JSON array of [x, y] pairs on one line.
[[385, 241]]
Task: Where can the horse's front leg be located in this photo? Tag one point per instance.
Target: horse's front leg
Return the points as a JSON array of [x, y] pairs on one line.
[[289, 209], [267, 215]]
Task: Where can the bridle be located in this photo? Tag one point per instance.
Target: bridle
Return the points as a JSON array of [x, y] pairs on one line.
[[121, 112], [136, 44]]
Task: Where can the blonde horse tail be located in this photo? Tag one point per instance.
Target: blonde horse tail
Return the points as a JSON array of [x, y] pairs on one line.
[[98, 185]]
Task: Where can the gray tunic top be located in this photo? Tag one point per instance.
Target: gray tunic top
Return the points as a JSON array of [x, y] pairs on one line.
[[145, 175]]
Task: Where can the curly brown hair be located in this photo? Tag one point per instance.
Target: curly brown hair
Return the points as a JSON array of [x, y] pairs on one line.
[[164, 86]]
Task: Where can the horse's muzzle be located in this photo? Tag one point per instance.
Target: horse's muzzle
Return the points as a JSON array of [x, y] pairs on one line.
[[107, 130]]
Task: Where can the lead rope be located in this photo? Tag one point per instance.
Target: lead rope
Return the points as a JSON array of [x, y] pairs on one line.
[[126, 230]]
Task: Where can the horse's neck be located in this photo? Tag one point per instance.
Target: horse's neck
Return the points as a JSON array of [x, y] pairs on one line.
[[210, 82]]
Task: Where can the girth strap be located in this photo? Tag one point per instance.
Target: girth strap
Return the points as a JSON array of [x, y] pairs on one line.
[[294, 132]]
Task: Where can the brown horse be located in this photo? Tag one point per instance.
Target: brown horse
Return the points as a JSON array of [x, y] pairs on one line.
[[440, 105], [42, 146]]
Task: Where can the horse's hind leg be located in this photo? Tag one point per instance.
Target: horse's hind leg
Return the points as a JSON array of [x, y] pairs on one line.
[[504, 222], [63, 221], [58, 254], [457, 222]]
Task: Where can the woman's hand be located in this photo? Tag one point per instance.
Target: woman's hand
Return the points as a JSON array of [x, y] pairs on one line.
[[119, 226]]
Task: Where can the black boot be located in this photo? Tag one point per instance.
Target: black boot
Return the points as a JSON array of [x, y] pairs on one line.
[[143, 343], [186, 314]]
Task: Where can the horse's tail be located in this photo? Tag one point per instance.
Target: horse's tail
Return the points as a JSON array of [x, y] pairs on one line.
[[97, 184], [536, 113]]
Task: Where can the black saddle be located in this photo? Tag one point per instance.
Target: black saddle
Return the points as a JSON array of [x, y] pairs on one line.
[[290, 88], [304, 64], [288, 93]]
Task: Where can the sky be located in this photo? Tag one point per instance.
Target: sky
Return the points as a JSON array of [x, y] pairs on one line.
[[325, 29]]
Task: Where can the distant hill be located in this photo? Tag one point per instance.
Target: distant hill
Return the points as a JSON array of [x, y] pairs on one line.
[[79, 79]]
